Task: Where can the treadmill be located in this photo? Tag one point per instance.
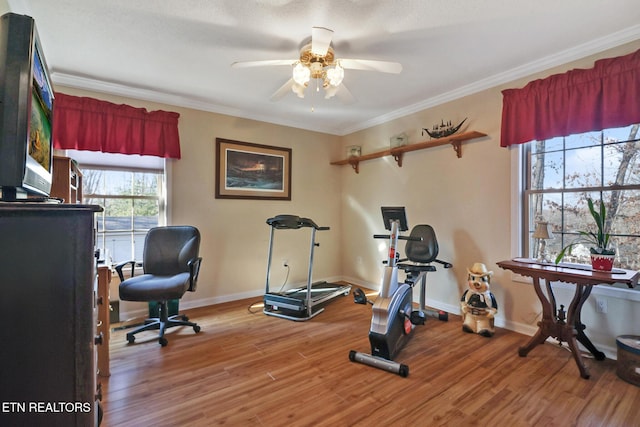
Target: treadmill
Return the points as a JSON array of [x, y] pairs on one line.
[[303, 303]]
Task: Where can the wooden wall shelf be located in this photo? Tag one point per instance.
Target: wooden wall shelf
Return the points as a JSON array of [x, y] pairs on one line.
[[455, 140]]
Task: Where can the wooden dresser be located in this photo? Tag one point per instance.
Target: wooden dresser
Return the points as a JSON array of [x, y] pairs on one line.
[[67, 180], [48, 315]]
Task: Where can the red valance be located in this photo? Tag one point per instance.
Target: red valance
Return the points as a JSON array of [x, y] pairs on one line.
[[605, 96], [82, 123]]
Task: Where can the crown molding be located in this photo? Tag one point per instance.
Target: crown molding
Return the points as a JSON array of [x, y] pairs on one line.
[[591, 48]]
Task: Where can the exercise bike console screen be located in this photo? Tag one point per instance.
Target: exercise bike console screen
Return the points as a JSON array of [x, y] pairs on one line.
[[397, 213]]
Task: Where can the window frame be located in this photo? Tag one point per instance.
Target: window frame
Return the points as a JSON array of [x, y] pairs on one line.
[[161, 197], [521, 164]]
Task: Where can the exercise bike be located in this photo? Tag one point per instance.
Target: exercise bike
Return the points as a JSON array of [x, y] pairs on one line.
[[394, 317]]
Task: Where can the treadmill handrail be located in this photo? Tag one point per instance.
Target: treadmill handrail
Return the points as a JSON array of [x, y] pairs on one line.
[[293, 222]]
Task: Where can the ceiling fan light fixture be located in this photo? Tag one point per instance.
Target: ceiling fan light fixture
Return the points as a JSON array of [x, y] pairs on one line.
[[335, 75], [298, 89], [301, 74], [330, 91]]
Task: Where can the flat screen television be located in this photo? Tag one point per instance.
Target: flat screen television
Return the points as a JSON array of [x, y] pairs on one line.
[[26, 111]]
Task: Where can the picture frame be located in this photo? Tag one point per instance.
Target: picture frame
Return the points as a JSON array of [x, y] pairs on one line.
[[252, 171]]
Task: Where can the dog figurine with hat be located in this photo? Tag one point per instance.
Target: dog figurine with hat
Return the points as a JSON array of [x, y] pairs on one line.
[[478, 305]]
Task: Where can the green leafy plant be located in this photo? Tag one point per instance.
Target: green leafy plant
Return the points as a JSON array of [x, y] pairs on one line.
[[599, 240]]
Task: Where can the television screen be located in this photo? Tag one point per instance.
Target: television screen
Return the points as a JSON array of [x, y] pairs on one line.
[[40, 137], [26, 112]]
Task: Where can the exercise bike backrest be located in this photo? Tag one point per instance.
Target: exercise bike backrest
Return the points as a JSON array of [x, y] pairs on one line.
[[421, 247], [424, 250], [392, 257]]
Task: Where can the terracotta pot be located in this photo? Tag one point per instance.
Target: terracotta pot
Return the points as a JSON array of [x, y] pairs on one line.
[[602, 262]]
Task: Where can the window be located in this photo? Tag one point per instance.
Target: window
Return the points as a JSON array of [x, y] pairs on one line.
[[131, 189], [562, 173]]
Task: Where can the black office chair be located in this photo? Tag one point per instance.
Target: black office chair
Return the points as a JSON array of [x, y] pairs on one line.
[[171, 265]]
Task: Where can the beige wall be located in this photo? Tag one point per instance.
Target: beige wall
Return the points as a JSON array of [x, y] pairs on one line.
[[468, 200], [235, 236]]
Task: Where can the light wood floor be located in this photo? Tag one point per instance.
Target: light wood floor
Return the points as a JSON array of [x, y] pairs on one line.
[[249, 369]]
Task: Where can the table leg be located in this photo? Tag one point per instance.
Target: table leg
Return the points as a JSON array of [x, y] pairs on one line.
[[552, 326], [545, 326], [573, 320], [580, 327]]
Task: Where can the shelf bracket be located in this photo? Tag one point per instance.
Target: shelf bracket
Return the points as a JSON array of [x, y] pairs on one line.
[[457, 145], [397, 155], [355, 165]]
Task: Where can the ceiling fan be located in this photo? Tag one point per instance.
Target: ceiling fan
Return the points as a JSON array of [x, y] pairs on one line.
[[317, 61]]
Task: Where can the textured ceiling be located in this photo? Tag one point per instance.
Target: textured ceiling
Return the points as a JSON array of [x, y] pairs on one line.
[[180, 52]]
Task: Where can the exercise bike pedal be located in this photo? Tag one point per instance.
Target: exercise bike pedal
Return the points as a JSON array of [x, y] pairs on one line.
[[418, 317]]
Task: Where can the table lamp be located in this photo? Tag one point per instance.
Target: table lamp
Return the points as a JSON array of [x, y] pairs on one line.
[[542, 233]]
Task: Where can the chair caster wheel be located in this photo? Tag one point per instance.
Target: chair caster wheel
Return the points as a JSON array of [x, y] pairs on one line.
[[131, 338], [163, 341], [196, 329], [185, 318]]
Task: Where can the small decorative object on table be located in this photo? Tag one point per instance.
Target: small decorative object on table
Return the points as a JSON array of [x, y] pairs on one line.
[[602, 255], [478, 305], [542, 233], [443, 129]]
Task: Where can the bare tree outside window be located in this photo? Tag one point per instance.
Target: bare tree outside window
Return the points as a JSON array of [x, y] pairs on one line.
[[133, 203], [562, 173]]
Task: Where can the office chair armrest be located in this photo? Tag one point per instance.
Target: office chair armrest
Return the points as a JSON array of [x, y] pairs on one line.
[[121, 265], [194, 271]]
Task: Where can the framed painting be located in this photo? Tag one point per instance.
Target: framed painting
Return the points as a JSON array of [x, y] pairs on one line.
[[252, 171]]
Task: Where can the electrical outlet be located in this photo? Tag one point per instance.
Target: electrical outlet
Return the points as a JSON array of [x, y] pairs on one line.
[[285, 263], [601, 305]]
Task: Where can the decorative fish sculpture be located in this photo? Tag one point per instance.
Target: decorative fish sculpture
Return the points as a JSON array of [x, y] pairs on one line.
[[443, 129]]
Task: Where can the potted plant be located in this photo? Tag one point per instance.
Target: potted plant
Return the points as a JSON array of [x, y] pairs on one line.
[[602, 254]]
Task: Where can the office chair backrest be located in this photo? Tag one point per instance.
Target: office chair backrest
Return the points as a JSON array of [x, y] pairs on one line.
[[424, 251], [168, 249]]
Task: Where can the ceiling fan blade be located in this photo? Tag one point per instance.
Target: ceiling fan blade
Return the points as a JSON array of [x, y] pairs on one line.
[[267, 63], [320, 40], [371, 65], [345, 95], [284, 89]]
